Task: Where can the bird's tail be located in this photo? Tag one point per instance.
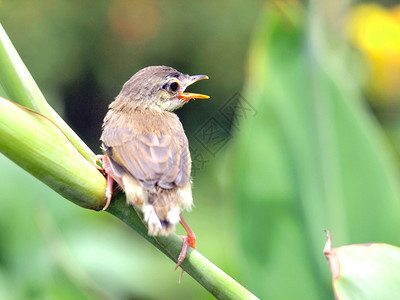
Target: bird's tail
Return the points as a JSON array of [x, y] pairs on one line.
[[162, 208]]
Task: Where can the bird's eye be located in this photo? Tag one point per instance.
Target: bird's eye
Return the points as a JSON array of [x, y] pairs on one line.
[[174, 86]]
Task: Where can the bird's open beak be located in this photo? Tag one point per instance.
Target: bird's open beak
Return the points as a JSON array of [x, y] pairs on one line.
[[185, 83]]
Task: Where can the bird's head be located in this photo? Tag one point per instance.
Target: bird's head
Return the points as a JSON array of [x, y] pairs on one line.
[[160, 88]]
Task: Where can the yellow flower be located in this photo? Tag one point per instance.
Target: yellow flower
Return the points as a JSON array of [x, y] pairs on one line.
[[375, 30]]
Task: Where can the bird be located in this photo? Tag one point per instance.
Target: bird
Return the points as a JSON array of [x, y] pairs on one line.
[[146, 150]]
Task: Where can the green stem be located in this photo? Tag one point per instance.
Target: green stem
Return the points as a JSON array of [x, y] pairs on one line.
[[196, 265], [22, 89], [36, 144], [49, 149]]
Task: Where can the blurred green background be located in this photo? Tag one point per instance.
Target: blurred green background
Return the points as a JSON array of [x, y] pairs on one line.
[[302, 134]]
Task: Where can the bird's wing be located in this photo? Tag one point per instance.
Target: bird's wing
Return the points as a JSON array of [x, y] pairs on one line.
[[161, 159]]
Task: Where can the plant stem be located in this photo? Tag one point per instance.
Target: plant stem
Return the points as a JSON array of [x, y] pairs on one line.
[[49, 149], [196, 265], [37, 145], [22, 89]]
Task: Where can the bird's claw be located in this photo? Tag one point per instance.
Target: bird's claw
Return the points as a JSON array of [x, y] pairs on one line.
[[189, 240], [105, 169]]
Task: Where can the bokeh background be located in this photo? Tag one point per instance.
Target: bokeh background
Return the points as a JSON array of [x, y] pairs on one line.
[[302, 134]]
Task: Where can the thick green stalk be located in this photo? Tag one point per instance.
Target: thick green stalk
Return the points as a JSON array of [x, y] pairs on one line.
[[196, 265], [36, 144], [22, 88], [48, 149]]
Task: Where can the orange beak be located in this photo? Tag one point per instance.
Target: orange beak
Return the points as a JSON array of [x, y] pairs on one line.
[[185, 83]]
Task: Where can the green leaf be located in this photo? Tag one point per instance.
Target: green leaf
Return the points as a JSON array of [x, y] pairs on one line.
[[364, 271], [312, 158]]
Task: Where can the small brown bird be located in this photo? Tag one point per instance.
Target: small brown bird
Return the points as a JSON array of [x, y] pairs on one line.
[[147, 151]]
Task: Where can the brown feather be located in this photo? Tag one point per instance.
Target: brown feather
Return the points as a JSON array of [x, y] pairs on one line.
[[150, 147], [161, 156]]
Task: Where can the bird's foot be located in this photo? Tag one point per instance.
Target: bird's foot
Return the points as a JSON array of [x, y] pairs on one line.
[[106, 170], [189, 240]]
